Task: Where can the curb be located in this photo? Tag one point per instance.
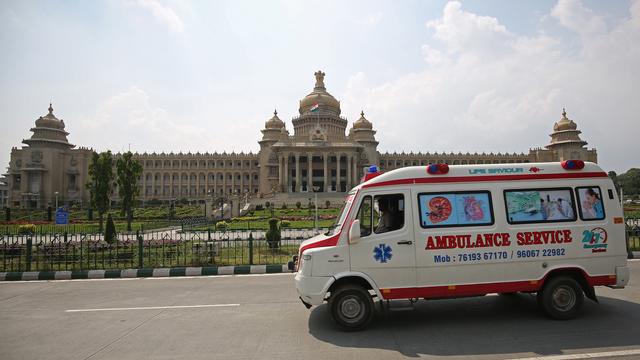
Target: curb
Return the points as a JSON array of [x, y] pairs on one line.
[[143, 273]]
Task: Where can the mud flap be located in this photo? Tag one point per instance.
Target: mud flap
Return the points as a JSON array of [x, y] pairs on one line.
[[307, 305], [590, 291]]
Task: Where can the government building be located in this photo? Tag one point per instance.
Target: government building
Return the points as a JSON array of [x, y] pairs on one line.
[[318, 155]]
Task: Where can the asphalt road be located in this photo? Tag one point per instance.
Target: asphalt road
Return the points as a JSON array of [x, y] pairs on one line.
[[260, 317]]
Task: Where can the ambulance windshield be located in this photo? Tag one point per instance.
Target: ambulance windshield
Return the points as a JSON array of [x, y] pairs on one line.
[[335, 228]]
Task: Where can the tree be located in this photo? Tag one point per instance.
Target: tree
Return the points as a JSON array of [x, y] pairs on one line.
[[630, 182], [128, 170], [614, 178], [101, 183]]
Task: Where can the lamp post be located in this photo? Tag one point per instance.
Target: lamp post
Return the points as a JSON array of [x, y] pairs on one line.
[[56, 193]]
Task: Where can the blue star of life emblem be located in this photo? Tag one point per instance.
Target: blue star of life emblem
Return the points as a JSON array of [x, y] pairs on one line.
[[382, 253]]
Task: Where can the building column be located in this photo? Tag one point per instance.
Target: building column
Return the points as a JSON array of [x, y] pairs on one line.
[[286, 174], [280, 169], [326, 172], [338, 188], [356, 179], [298, 174], [349, 178], [310, 172]]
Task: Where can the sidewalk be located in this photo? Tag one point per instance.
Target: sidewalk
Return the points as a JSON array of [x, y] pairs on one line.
[[138, 273]]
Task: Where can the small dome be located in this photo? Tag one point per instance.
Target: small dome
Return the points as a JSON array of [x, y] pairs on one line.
[[362, 123], [319, 96], [50, 120], [564, 123], [274, 122]]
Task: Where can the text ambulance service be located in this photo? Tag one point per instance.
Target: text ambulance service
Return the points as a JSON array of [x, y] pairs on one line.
[[439, 231]]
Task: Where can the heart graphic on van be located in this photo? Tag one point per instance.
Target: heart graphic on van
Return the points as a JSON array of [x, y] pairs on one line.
[[440, 209]]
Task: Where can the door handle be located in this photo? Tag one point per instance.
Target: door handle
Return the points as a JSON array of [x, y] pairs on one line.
[[407, 242]]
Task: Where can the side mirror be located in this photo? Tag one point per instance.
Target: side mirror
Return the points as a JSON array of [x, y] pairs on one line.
[[354, 232]]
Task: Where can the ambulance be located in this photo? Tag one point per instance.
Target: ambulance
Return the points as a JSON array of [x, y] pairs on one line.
[[439, 231]]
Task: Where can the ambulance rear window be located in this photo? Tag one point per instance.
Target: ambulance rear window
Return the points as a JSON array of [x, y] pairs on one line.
[[590, 203]]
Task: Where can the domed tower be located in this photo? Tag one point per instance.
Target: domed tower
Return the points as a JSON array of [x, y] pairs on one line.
[[274, 131], [362, 132], [566, 143], [319, 110], [49, 132], [48, 169]]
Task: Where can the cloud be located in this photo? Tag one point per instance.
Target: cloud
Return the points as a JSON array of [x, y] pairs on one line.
[[130, 118], [162, 13], [574, 16], [486, 88], [370, 19]]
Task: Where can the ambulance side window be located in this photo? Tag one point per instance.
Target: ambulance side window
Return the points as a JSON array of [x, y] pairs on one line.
[[539, 205], [463, 208], [365, 216], [590, 203]]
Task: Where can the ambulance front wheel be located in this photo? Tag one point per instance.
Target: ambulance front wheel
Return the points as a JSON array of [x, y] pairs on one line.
[[351, 307], [561, 298]]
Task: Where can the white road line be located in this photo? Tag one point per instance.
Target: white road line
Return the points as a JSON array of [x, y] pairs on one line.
[[154, 308], [585, 356]]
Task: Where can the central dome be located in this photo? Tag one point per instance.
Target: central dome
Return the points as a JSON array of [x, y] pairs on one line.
[[325, 102]]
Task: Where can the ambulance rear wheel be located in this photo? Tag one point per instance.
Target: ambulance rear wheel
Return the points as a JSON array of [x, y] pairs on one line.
[[561, 298], [351, 307]]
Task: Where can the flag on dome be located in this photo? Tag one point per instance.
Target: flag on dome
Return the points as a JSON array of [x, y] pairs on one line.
[[314, 107]]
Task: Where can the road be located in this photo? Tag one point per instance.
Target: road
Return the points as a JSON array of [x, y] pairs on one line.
[[260, 317]]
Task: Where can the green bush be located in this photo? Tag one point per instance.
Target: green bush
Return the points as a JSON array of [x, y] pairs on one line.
[[284, 206], [27, 229], [327, 204], [222, 226], [110, 231], [259, 207], [298, 205], [273, 234]]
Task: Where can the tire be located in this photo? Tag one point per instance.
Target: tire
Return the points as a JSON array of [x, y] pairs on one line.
[[351, 307], [561, 298]]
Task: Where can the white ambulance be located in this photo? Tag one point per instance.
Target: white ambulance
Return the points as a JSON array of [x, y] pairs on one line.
[[439, 231]]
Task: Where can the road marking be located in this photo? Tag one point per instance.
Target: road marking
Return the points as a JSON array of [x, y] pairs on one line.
[[585, 356], [154, 308], [146, 278]]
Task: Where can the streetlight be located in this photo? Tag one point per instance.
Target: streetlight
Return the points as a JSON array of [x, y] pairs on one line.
[[56, 193]]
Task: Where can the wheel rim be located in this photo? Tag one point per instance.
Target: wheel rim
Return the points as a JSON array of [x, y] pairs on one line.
[[564, 298], [351, 309]]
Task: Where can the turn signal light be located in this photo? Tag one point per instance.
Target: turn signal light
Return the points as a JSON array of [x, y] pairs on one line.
[[572, 164], [438, 169]]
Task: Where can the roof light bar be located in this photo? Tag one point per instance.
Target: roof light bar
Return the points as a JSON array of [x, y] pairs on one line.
[[438, 169], [572, 164]]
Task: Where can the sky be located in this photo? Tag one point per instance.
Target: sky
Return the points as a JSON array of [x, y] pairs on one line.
[[432, 76]]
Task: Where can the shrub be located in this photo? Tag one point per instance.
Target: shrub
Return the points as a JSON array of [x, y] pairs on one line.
[[327, 204], [26, 229], [273, 234], [222, 226], [110, 231], [285, 223], [284, 206], [267, 204], [298, 205], [259, 207]]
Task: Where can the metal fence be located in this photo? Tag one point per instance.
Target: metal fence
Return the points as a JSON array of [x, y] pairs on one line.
[[91, 228], [171, 248], [150, 249]]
